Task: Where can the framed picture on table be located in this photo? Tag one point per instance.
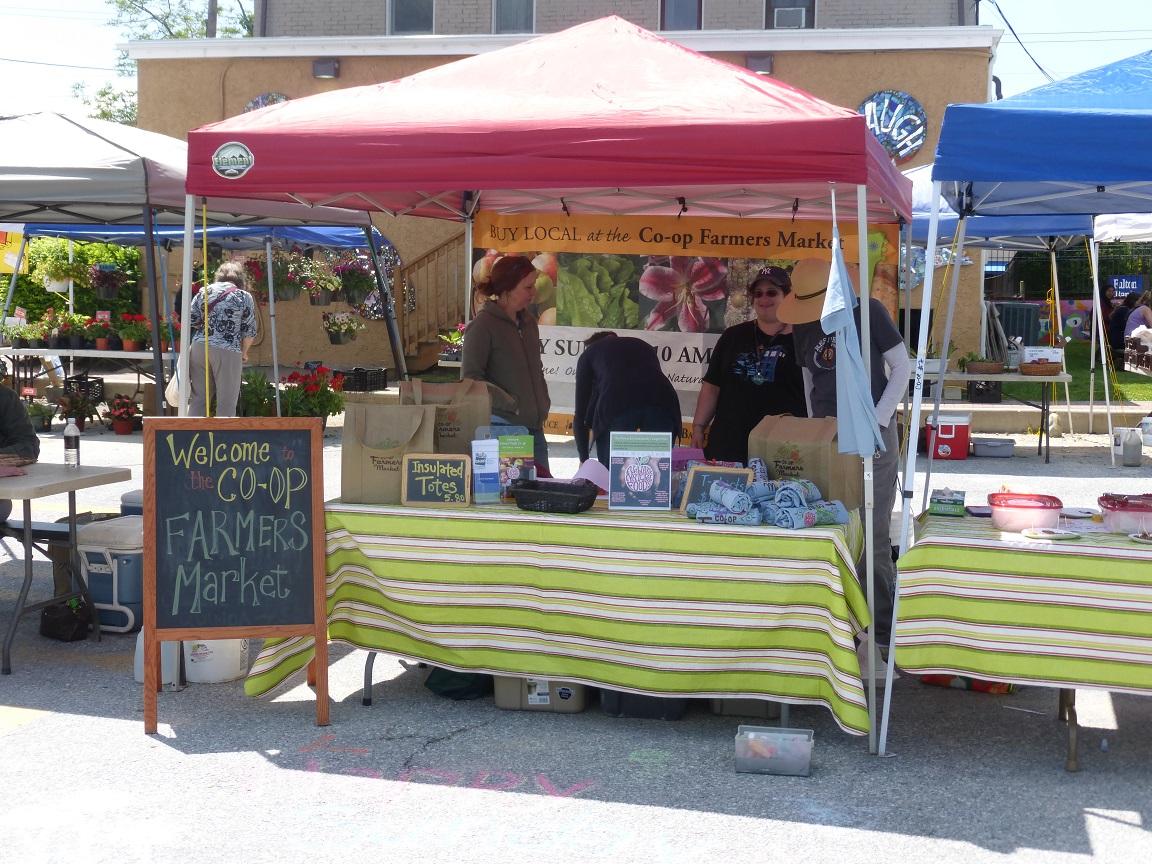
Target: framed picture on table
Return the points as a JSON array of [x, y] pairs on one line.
[[701, 478]]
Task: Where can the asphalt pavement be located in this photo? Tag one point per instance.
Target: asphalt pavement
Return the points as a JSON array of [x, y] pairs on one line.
[[972, 777]]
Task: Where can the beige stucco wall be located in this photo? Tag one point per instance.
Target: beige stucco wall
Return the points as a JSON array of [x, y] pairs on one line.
[[213, 89]]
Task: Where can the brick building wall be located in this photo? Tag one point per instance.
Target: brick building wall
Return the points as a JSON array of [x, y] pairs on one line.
[[370, 17]]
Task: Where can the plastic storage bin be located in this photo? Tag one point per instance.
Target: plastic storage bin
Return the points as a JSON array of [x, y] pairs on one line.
[[539, 694], [1127, 514], [112, 564], [997, 448], [618, 704], [761, 709], [768, 750], [1015, 511]]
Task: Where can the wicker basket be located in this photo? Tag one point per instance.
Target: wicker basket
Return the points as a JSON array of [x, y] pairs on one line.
[[984, 368], [554, 496], [1040, 369]]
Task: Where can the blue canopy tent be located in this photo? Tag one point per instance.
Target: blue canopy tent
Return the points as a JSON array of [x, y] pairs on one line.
[[1075, 146], [228, 237]]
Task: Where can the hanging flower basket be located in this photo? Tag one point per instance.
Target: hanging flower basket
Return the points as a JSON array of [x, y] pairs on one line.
[[341, 338], [357, 278], [286, 290], [320, 298]]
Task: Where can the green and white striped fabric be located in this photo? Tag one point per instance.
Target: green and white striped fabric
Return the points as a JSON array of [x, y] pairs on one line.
[[990, 604], [653, 604]]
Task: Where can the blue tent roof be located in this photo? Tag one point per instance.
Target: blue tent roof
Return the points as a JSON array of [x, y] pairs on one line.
[[1017, 233], [1074, 146], [226, 236]]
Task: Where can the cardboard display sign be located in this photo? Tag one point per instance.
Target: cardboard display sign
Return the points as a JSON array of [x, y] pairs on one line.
[[233, 537], [800, 447], [640, 471], [436, 480], [376, 437]]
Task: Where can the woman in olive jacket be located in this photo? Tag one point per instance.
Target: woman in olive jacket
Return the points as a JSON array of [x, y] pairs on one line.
[[502, 348]]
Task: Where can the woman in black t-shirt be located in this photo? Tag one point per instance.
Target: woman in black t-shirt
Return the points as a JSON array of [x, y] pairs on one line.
[[752, 374]]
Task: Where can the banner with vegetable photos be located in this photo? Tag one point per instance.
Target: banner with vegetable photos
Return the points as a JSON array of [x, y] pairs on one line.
[[677, 282]]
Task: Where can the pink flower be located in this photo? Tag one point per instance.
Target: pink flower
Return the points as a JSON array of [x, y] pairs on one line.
[[681, 291]]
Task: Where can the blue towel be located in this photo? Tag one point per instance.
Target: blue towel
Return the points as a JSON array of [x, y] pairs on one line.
[[765, 491], [796, 493], [736, 500], [796, 517], [769, 511], [830, 513], [699, 509]]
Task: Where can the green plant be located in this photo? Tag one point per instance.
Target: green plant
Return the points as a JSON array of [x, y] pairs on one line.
[[972, 357], [257, 396], [55, 262], [38, 409], [311, 393], [97, 328], [342, 322], [453, 339], [75, 404]]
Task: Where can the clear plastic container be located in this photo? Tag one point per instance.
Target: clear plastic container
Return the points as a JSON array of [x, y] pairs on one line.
[[1127, 514], [773, 750], [1017, 511]]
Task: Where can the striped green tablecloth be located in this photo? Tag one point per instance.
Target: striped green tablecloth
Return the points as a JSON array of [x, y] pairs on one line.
[[990, 604], [653, 604]]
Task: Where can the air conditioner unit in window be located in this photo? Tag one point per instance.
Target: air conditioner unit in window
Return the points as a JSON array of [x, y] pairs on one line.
[[789, 18]]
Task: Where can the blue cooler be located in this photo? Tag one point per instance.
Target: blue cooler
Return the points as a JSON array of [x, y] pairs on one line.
[[132, 503], [112, 564]]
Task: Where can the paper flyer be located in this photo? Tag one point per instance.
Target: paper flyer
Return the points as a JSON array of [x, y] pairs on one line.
[[640, 471]]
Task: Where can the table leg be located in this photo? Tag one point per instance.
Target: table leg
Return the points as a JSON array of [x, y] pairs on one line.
[[1067, 713], [1045, 411], [366, 696], [6, 659]]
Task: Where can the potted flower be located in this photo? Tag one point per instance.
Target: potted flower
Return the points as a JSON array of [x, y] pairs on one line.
[[77, 405], [107, 279], [312, 393], [134, 331], [320, 283], [169, 333], [357, 278], [257, 397], [98, 330], [452, 343], [256, 277], [41, 414], [121, 411], [52, 265], [342, 327], [293, 272], [35, 334]]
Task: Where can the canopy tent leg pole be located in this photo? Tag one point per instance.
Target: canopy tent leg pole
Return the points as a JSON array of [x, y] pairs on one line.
[[186, 302], [272, 321], [1094, 251], [912, 422], [946, 342], [468, 269], [1092, 362], [869, 479], [154, 311], [1059, 318], [388, 301], [906, 296], [15, 273]]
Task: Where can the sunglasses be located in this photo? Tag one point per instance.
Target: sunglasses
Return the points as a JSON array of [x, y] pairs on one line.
[[766, 292]]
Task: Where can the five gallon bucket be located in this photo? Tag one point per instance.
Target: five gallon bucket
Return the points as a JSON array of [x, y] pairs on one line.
[[210, 661]]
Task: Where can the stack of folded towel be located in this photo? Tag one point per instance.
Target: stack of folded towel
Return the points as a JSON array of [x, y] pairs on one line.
[[783, 503]]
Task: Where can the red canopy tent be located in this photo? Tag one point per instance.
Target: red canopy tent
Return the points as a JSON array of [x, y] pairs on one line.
[[606, 115]]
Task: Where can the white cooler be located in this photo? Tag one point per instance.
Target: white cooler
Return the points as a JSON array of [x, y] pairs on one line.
[[112, 565]]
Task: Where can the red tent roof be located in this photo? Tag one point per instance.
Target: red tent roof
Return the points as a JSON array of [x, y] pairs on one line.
[[605, 115]]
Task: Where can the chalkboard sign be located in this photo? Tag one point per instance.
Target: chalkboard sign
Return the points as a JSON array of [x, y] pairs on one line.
[[700, 480], [233, 534], [436, 480]]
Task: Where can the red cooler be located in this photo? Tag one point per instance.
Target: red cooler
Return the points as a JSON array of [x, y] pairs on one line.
[[949, 438]]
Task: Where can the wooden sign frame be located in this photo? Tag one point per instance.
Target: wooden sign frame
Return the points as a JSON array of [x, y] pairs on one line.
[[436, 457], [697, 474], [318, 629]]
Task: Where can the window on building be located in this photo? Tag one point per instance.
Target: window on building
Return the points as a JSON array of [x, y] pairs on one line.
[[680, 14], [789, 14], [513, 16], [411, 16]]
